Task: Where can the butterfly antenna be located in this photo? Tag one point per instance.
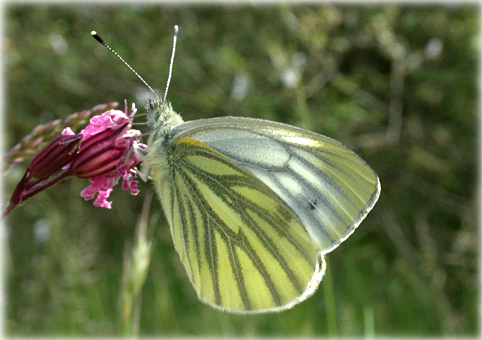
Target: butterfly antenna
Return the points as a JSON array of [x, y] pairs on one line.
[[174, 41], [99, 39]]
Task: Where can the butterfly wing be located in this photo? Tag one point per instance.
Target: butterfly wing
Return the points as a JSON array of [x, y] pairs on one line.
[[243, 248], [328, 186]]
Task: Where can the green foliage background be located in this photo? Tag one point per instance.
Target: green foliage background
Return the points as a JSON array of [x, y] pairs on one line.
[[395, 83]]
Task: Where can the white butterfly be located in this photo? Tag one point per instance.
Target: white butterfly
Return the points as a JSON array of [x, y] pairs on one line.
[[253, 205]]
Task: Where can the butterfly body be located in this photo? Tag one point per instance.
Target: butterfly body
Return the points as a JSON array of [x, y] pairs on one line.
[[253, 205]]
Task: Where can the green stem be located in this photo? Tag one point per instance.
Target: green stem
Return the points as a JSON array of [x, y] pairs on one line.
[[369, 322], [329, 302], [303, 110]]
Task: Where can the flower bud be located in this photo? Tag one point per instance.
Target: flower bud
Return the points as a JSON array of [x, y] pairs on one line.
[[54, 156]]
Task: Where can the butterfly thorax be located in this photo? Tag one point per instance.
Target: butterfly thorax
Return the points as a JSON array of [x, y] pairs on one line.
[[162, 119]]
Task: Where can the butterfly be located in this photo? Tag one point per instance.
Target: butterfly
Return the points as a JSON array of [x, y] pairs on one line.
[[254, 205]]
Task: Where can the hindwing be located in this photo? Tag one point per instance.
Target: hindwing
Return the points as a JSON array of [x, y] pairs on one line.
[[244, 249]]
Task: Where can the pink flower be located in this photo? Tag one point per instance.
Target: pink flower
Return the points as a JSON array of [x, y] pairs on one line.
[[107, 155]]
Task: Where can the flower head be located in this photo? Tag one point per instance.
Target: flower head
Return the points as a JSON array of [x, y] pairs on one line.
[[103, 153]]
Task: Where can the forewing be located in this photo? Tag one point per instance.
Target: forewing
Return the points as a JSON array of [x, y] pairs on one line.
[[329, 187], [243, 247]]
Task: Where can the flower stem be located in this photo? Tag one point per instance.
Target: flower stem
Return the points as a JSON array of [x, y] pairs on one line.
[[21, 196], [330, 303], [136, 266]]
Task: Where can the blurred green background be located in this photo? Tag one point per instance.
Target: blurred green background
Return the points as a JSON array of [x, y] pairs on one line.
[[397, 84]]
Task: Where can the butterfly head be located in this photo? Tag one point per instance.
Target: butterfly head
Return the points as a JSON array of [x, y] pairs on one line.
[[161, 117], [154, 109]]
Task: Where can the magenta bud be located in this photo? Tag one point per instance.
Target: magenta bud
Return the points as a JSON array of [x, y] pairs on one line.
[[53, 157], [101, 153]]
